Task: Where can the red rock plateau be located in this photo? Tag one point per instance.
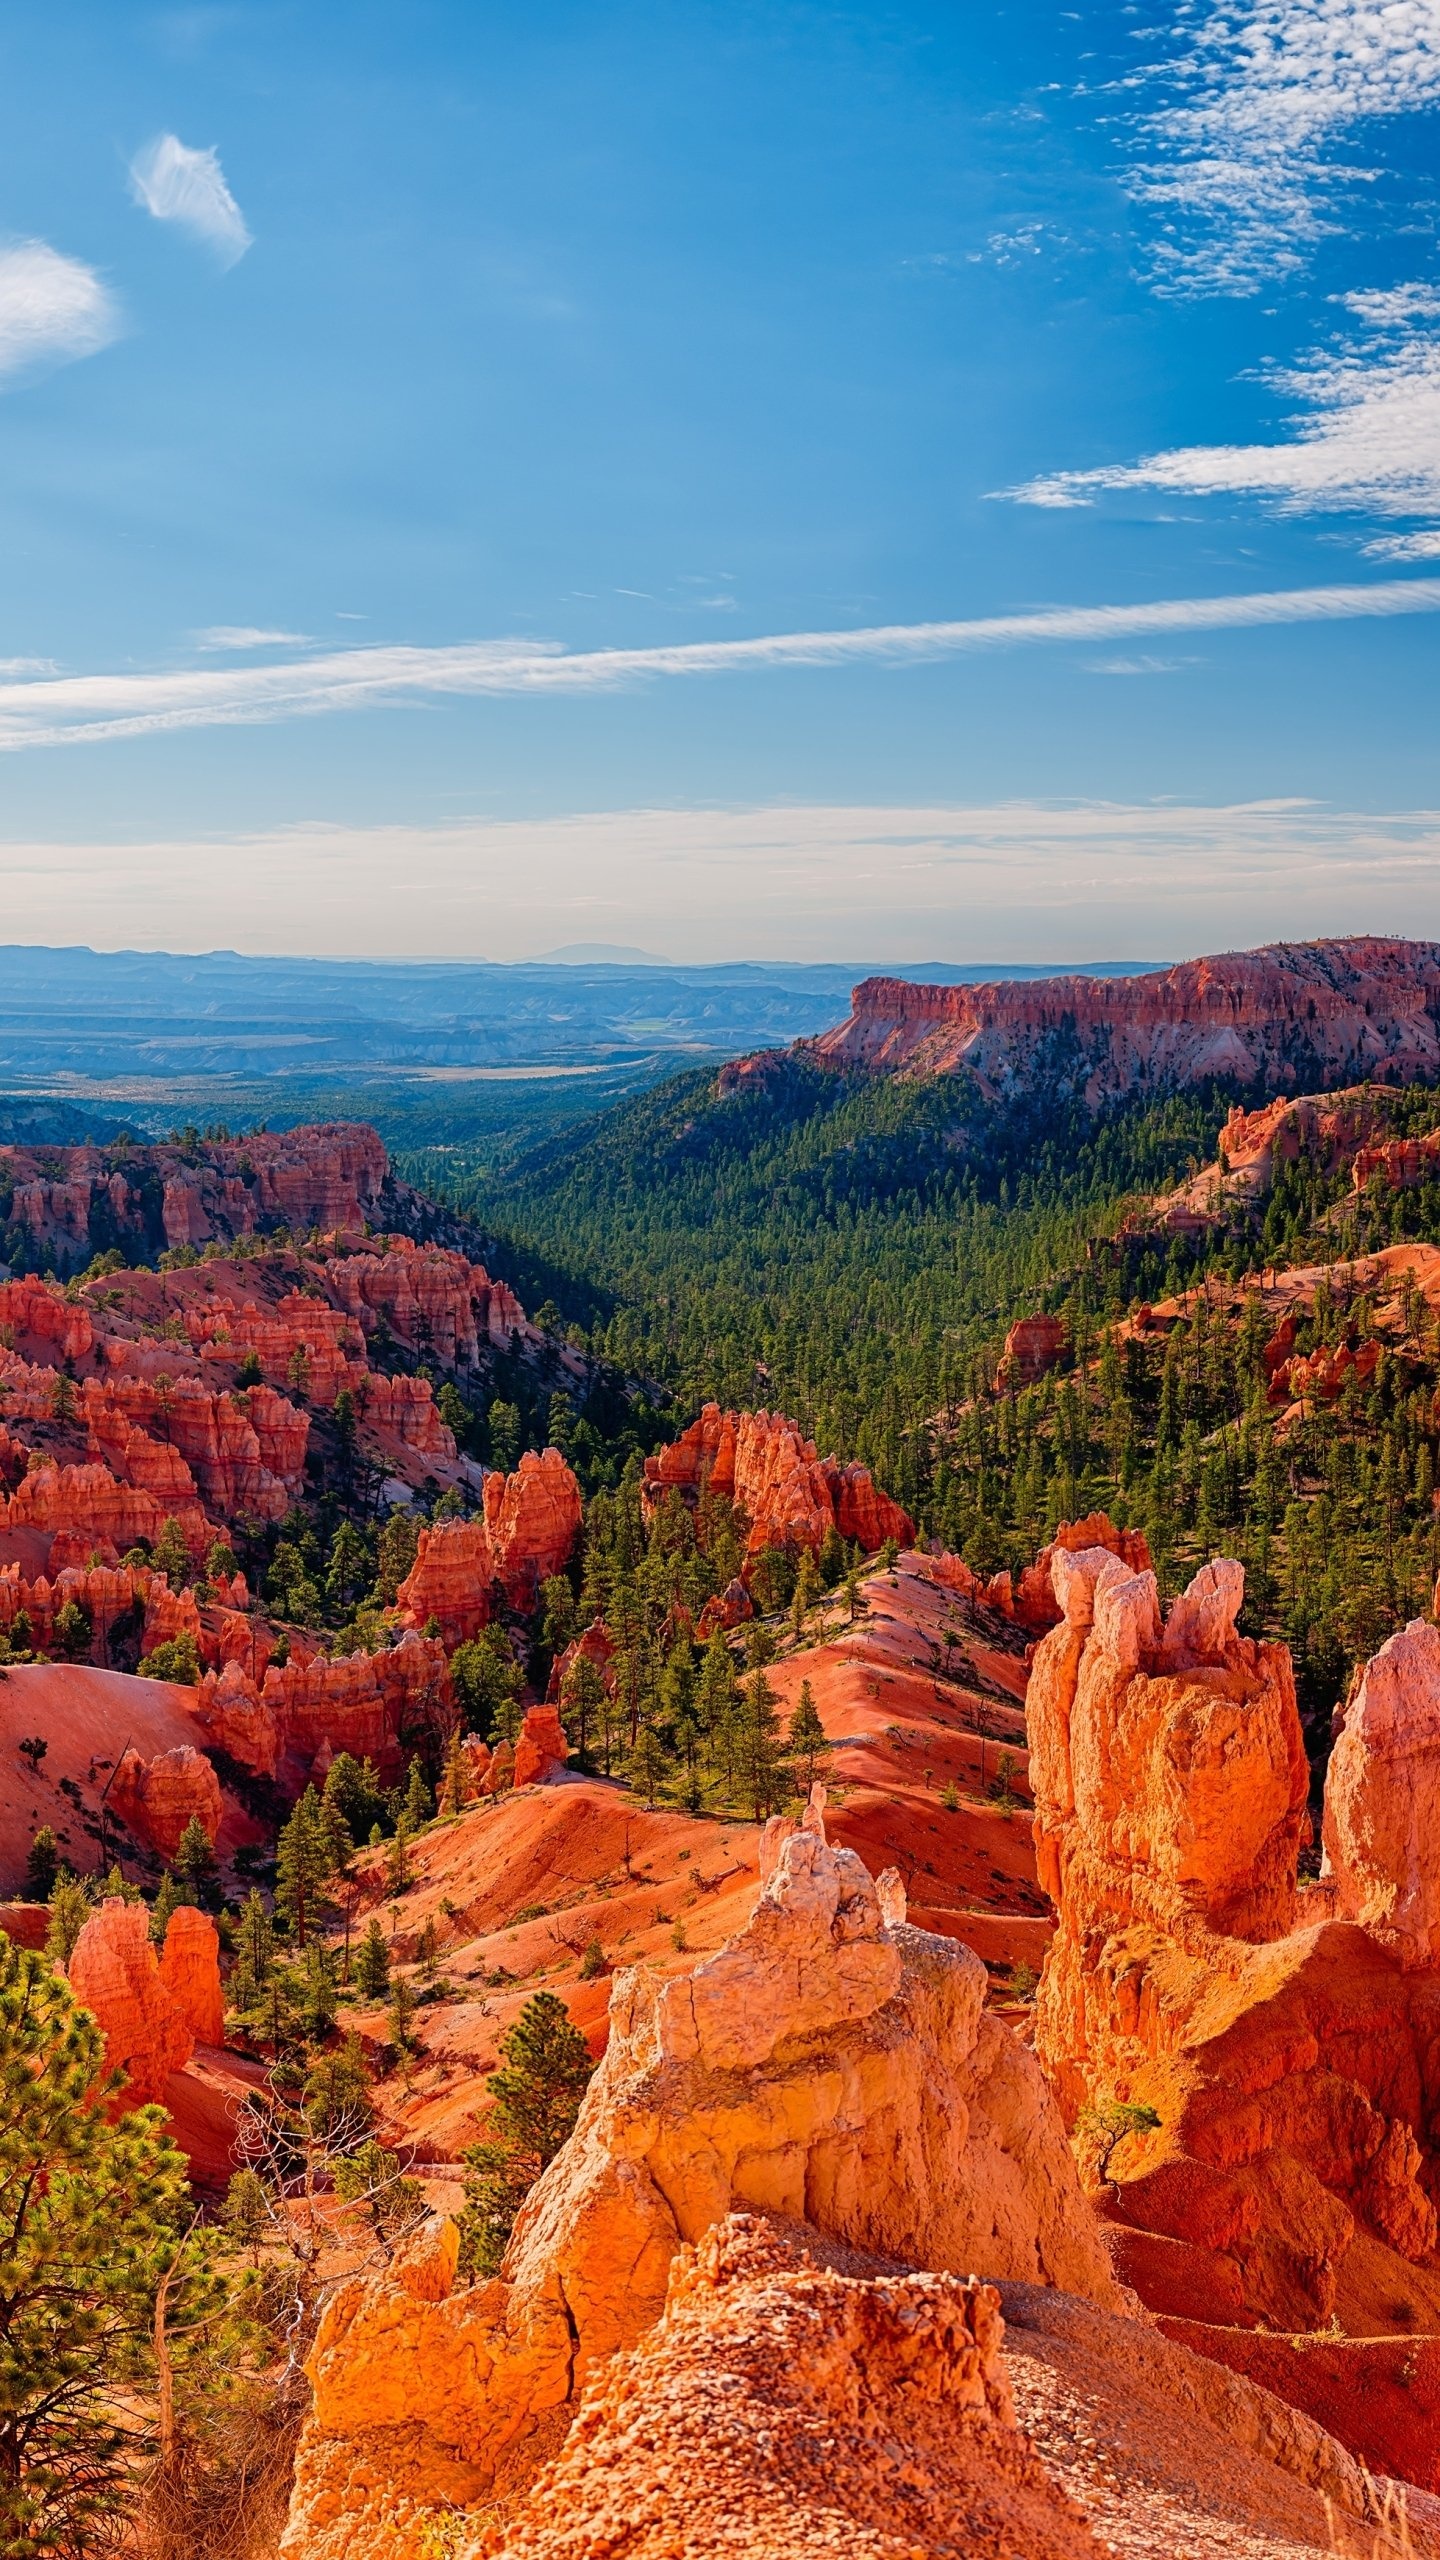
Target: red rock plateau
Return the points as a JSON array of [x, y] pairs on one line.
[[789, 1494], [868, 2311], [1290, 1015], [466, 1571], [1282, 2037]]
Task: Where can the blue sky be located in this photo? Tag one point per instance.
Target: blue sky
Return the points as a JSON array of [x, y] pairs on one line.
[[831, 482]]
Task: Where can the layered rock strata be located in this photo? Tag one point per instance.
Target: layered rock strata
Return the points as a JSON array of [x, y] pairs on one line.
[[1291, 1016]]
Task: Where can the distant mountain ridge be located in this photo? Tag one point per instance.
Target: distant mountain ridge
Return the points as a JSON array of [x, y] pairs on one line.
[[1289, 1017]]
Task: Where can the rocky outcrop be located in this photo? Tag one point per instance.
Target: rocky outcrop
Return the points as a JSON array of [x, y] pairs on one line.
[[541, 1749], [1292, 1016], [356, 1702], [1282, 2060], [1382, 1800], [190, 1974], [90, 1503], [790, 2408], [76, 1201], [1033, 1347], [1332, 1129], [789, 1494], [843, 2067], [146, 2010], [465, 1571], [437, 1304], [728, 1608], [157, 1798]]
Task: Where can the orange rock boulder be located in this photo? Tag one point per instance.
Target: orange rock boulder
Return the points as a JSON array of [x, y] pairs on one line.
[[190, 1973], [541, 1749], [1033, 1347]]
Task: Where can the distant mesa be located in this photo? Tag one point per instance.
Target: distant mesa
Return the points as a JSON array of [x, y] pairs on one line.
[[611, 955], [1289, 1018]]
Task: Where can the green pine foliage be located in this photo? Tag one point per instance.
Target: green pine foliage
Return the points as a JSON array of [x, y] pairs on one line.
[[536, 2093], [95, 2216]]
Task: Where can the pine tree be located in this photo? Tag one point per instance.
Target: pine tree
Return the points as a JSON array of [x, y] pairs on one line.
[[546, 2068], [168, 1899], [302, 1867], [94, 2216], [761, 1751], [809, 1741], [196, 1871], [338, 2107], [172, 1555], [372, 1964], [403, 2005], [42, 1865], [417, 1808], [70, 1908]]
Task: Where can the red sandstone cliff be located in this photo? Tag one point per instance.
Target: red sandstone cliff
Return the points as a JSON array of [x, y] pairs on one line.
[[1290, 1015]]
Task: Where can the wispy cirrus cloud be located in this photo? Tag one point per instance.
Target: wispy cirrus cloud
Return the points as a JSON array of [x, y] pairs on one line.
[[65, 710], [178, 184], [52, 309], [1241, 158], [1366, 440], [244, 635]]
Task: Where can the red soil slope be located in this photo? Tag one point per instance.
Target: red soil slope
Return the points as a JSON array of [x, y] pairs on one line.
[[87, 1718]]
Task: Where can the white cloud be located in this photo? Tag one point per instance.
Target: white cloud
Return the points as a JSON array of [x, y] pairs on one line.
[[244, 635], [66, 709], [1241, 159], [177, 184], [52, 309], [1367, 440], [1019, 880]]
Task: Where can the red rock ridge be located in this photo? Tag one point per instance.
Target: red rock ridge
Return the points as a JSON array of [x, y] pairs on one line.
[[1324, 1012], [331, 1177], [790, 1495]]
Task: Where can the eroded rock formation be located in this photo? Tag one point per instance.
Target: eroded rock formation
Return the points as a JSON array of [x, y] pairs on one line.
[[787, 2404], [844, 2069], [789, 1494], [350, 1702], [465, 1570], [157, 1798], [1286, 2057], [149, 2011]]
